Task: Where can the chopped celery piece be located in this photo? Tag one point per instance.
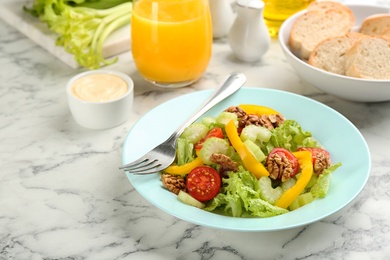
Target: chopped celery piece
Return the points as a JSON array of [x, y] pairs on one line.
[[195, 132], [305, 198], [208, 121], [213, 145], [301, 201], [254, 132], [294, 205], [287, 184], [267, 192], [255, 150], [189, 200], [224, 118]]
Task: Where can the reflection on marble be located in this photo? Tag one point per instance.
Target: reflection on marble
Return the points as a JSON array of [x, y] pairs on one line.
[[62, 195]]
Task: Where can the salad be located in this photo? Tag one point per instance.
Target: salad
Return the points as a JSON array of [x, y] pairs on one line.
[[249, 161]]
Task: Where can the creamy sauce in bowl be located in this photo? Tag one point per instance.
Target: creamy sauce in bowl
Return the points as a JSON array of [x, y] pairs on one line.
[[99, 87]]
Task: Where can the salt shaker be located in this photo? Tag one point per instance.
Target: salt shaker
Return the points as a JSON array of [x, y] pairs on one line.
[[222, 17], [249, 38]]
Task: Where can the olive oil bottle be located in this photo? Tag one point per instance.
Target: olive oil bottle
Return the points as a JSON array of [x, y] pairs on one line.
[[277, 11]]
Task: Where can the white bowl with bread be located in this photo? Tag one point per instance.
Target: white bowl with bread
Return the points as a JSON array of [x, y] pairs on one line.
[[343, 50]]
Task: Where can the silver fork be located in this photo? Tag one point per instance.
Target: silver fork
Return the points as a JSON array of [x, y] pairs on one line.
[[164, 154]]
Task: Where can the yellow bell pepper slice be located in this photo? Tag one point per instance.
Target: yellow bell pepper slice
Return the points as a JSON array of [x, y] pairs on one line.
[[258, 110], [250, 162], [305, 162], [184, 169]]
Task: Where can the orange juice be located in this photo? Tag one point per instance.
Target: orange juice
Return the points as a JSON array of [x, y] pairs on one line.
[[277, 11], [171, 39]]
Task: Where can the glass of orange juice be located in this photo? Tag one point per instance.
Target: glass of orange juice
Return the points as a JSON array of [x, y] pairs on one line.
[[171, 40]]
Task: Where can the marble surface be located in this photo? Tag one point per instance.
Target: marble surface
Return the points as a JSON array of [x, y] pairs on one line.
[[62, 195]]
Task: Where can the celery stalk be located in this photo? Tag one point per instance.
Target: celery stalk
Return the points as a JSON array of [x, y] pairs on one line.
[[83, 30], [97, 4]]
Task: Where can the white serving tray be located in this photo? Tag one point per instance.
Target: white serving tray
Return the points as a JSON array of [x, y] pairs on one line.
[[11, 11]]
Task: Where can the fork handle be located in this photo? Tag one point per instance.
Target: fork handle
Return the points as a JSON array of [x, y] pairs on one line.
[[231, 84]]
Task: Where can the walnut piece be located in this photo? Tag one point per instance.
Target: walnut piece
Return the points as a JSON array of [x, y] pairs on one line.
[[225, 162], [322, 162], [269, 121], [236, 110], [279, 167], [275, 120], [173, 183]]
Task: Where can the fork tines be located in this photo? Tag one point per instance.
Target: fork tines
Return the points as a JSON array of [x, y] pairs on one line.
[[142, 166]]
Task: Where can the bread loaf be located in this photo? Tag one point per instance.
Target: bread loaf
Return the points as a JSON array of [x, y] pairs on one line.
[[315, 26], [375, 24], [329, 54], [369, 58]]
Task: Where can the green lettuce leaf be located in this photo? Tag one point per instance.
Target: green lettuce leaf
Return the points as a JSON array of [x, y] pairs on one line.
[[185, 151], [321, 187], [241, 197], [263, 209], [290, 136]]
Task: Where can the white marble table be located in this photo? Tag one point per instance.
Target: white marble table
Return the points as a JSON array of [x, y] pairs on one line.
[[62, 195]]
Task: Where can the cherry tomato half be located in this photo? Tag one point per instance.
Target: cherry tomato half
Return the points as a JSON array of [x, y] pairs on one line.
[[320, 158], [215, 132], [203, 183], [282, 152], [314, 152]]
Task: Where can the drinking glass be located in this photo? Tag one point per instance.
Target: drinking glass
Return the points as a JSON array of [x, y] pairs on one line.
[[171, 40], [277, 11]]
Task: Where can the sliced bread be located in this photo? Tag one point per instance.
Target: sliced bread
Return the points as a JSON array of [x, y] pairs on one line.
[[328, 5], [315, 26], [369, 58], [386, 31], [329, 54], [375, 24]]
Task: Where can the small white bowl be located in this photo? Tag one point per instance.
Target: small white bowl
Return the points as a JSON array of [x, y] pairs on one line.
[[349, 88], [101, 114]]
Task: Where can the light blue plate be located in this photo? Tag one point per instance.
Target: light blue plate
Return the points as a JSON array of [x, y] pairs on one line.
[[333, 130]]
